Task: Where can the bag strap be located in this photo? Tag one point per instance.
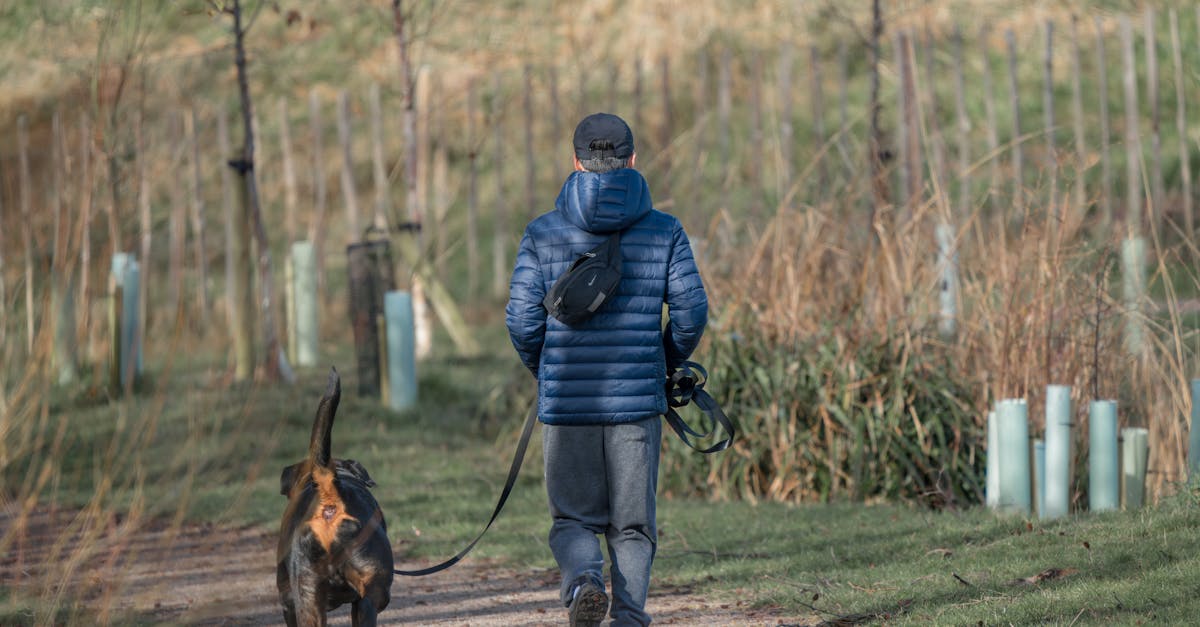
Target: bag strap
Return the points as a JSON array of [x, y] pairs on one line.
[[686, 385], [513, 471]]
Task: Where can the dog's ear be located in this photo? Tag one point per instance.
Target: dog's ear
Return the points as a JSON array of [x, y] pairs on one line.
[[356, 470], [287, 478]]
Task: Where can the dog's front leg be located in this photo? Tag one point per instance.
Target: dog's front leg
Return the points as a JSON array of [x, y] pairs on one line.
[[363, 613]]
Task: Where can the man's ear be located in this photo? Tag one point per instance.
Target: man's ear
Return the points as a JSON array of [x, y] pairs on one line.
[[578, 165], [633, 160], [287, 478]]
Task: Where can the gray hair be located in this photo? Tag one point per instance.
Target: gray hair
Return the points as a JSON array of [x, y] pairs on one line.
[[604, 164]]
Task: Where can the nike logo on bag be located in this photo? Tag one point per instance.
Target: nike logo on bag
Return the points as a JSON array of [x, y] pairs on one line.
[[592, 281]]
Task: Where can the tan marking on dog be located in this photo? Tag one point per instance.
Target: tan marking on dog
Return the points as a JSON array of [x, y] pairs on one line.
[[330, 511]]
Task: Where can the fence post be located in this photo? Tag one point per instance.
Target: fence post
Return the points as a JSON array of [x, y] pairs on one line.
[[402, 376], [947, 263], [1103, 481]]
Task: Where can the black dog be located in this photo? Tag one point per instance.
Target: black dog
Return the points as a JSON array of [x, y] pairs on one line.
[[333, 544]]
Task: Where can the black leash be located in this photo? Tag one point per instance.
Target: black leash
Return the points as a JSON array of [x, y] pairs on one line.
[[685, 386], [513, 470]]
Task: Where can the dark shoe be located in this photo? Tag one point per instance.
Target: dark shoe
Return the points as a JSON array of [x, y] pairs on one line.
[[588, 606]]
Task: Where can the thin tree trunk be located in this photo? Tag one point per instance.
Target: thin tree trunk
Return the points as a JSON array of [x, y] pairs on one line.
[[756, 133], [349, 196], [472, 194], [1133, 144], [876, 160], [421, 154], [964, 131], [63, 300], [843, 78], [238, 296], [1014, 93], [275, 361], [902, 105], [556, 137], [201, 250], [1106, 204], [291, 197], [786, 141], [1077, 118], [724, 113], [177, 222], [316, 228], [26, 226], [85, 228], [145, 227], [639, 120], [1157, 186], [614, 82], [666, 132], [916, 184], [1185, 168], [531, 206], [1048, 119], [500, 226], [699, 124], [383, 197], [937, 146], [407, 87], [993, 136]]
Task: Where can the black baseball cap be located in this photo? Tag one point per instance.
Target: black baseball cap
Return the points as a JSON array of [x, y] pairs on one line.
[[602, 135]]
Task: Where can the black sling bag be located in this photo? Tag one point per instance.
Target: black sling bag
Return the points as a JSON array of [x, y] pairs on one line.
[[587, 284]]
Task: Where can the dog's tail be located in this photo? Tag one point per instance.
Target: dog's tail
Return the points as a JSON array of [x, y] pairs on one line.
[[319, 448]]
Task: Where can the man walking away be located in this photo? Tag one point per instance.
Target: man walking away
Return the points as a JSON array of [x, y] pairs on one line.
[[601, 381]]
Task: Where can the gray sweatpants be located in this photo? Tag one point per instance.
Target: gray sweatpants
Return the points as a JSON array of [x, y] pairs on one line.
[[603, 479]]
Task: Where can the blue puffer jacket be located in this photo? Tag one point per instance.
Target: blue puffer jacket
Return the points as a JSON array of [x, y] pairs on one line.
[[611, 368]]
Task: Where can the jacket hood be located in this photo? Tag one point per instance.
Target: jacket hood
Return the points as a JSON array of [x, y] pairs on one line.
[[604, 203]]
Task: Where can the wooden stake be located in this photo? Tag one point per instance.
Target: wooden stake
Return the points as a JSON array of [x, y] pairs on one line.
[[238, 296]]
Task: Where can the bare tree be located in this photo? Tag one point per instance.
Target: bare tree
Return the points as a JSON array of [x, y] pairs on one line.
[[275, 362]]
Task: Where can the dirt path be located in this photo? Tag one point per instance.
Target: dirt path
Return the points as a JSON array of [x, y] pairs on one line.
[[208, 575]]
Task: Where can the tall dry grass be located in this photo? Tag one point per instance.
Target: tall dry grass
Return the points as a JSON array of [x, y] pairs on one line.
[[826, 346]]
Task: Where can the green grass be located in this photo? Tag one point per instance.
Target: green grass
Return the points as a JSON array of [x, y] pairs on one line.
[[215, 452]]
